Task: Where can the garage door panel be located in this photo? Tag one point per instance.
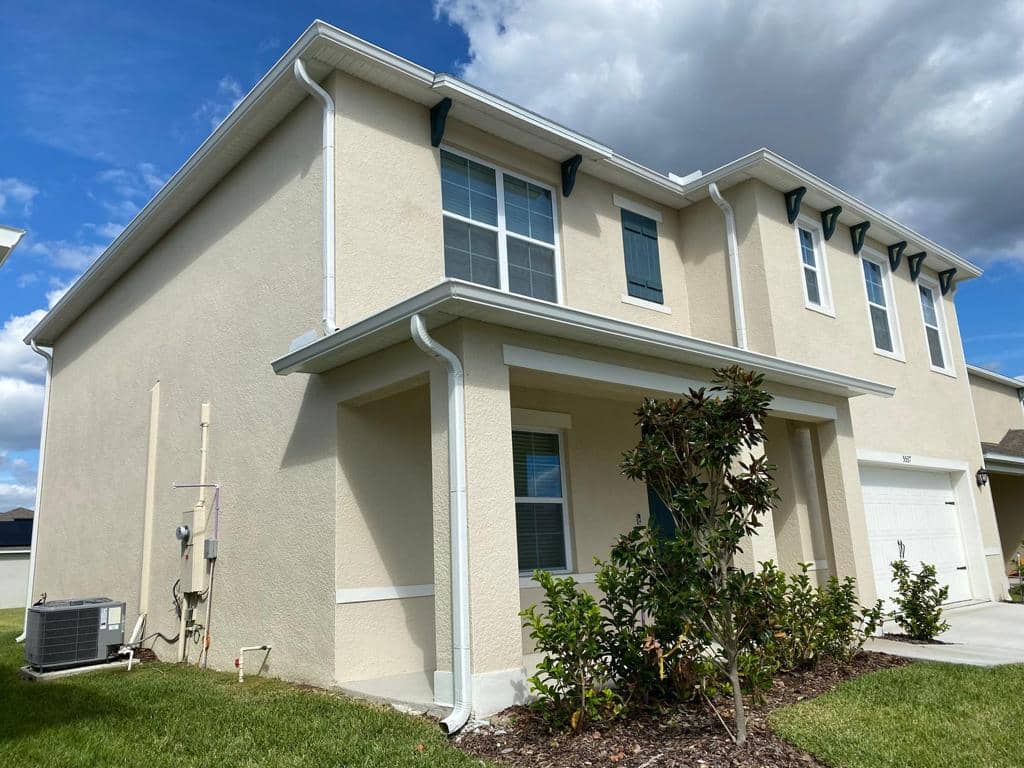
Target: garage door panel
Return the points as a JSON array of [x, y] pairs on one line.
[[918, 510]]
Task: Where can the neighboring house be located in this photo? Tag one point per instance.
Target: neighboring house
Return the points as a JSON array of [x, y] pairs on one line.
[[15, 541], [999, 406], [568, 283]]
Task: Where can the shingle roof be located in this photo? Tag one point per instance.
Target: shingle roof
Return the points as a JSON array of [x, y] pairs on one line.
[[1012, 444]]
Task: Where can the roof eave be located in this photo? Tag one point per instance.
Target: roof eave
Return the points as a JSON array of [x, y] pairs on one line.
[[999, 378]]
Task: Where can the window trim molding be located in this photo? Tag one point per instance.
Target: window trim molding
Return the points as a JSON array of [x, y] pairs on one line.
[[638, 208], [827, 307], [518, 426], [943, 329], [501, 230], [898, 352], [644, 304]]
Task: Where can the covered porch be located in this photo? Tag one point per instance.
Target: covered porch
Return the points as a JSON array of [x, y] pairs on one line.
[[548, 413]]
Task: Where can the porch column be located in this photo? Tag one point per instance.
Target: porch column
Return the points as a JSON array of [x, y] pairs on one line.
[[760, 547], [496, 635], [844, 502]]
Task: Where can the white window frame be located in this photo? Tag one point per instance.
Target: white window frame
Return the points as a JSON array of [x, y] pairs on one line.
[[563, 500], [882, 262], [940, 317], [827, 307], [500, 229]]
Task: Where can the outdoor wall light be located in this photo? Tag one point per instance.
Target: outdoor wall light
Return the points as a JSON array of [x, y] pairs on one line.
[[982, 477]]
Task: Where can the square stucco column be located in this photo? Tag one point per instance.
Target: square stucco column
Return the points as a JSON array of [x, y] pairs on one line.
[[495, 626], [844, 502], [761, 546]]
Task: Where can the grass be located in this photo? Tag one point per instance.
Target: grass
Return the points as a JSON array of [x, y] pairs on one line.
[[165, 715], [925, 715]]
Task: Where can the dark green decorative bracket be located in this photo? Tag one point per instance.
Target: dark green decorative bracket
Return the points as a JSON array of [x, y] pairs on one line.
[[569, 168], [793, 199], [857, 233], [915, 261], [946, 280], [829, 219], [438, 118], [896, 254]]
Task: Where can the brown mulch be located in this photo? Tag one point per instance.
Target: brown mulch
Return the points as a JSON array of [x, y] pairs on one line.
[[689, 736]]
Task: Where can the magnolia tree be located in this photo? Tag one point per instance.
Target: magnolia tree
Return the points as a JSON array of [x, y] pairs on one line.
[[698, 454]]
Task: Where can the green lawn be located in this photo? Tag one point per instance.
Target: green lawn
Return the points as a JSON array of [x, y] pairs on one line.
[[165, 715], [924, 715]]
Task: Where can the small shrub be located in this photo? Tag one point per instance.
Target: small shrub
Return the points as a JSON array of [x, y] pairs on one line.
[[918, 600], [572, 677]]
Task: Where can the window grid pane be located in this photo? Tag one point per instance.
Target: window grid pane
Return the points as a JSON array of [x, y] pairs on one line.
[[880, 328], [811, 281], [531, 270], [873, 282], [470, 253], [931, 327], [807, 248], [540, 521], [540, 536], [468, 189]]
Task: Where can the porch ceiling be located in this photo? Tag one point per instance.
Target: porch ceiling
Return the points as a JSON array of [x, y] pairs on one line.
[[454, 299]]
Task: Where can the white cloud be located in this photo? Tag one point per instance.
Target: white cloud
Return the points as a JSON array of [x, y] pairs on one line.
[[15, 495], [65, 254], [17, 361], [214, 110], [913, 105], [21, 409], [15, 193]]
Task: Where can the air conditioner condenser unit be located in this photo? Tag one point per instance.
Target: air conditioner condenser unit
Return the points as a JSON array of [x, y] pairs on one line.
[[71, 633]]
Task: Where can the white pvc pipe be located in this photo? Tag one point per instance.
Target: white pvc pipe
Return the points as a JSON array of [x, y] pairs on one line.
[[736, 283], [39, 491], [241, 658], [458, 525], [327, 214]]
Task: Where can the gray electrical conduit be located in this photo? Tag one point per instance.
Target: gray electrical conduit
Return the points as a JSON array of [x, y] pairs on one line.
[[739, 316], [39, 490], [457, 524]]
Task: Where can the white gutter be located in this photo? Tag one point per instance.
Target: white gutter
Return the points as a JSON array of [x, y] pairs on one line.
[[327, 214], [457, 523], [39, 491], [736, 284]]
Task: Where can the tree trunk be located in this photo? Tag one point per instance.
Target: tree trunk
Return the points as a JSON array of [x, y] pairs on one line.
[[737, 697]]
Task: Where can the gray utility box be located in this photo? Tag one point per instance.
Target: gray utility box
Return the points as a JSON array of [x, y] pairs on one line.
[[71, 633]]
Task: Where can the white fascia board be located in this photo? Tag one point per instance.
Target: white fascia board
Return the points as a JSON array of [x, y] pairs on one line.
[[998, 378], [767, 165], [452, 299], [1003, 458], [9, 239]]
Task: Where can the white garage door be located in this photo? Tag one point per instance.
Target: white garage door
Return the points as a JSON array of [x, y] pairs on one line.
[[919, 510]]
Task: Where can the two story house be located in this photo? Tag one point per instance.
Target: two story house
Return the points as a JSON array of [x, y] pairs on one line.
[[398, 327]]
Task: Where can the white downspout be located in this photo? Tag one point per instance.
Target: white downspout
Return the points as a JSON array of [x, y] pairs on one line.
[[739, 316], [39, 491], [458, 526], [327, 215]]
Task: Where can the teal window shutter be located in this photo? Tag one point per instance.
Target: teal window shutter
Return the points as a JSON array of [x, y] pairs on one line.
[[643, 264]]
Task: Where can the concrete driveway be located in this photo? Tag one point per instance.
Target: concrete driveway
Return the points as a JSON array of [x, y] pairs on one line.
[[984, 635]]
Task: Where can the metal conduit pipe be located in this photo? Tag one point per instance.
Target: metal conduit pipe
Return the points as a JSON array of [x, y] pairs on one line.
[[736, 283], [458, 525], [327, 214], [39, 490]]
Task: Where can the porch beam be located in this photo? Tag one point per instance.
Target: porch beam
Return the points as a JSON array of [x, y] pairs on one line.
[[610, 373]]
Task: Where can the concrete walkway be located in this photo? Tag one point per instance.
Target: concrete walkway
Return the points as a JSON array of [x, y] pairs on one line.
[[983, 635]]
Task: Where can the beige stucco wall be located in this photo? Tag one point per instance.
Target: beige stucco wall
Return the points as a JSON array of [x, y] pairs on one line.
[[216, 299], [13, 579], [997, 408]]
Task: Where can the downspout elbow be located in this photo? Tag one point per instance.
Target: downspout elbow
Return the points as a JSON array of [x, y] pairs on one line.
[[458, 527], [34, 545], [735, 281], [328, 322]]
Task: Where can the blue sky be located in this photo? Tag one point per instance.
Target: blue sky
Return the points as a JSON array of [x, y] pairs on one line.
[[101, 103]]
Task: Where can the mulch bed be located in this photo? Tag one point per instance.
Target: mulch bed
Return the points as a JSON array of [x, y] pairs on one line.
[[688, 736], [902, 638]]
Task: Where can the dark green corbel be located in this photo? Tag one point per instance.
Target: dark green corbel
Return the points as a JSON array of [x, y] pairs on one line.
[[793, 199], [438, 118], [946, 280], [569, 168], [915, 261], [829, 219], [857, 233], [896, 254]]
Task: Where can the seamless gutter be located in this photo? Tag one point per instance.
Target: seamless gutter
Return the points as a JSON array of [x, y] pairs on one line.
[[999, 378]]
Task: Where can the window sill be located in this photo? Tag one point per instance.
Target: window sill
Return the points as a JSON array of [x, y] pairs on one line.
[[890, 355], [821, 310], [944, 372], [526, 581], [643, 304]]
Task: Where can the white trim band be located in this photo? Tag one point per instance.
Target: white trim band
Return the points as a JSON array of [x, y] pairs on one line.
[[640, 208], [376, 594]]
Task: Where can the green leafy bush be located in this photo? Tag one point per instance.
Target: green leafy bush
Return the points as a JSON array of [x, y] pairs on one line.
[[573, 675], [918, 601]]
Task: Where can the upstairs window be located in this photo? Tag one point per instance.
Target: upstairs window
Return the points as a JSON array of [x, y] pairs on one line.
[[541, 519], [499, 229], [934, 327], [881, 307], [811, 248], [643, 264]]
